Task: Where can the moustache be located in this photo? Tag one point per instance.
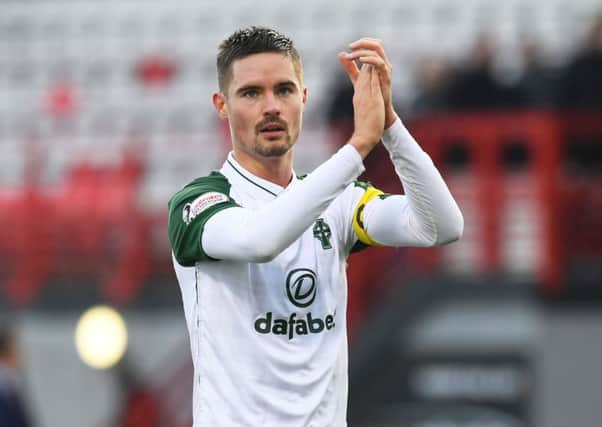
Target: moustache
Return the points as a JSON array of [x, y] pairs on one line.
[[271, 121]]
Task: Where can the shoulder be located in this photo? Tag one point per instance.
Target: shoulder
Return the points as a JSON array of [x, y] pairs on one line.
[[200, 195], [215, 182], [189, 210]]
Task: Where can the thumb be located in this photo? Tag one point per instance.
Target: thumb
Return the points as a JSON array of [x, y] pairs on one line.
[[350, 67]]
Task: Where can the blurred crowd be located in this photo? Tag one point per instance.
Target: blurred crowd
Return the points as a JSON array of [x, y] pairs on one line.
[[479, 83]]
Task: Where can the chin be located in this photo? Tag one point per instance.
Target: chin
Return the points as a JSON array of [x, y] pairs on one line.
[[274, 148], [273, 151]]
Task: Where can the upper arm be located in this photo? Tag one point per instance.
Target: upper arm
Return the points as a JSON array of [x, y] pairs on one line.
[[189, 211], [382, 219], [391, 221], [352, 204], [358, 220]]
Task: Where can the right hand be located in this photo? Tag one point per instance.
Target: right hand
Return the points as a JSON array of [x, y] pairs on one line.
[[368, 111]]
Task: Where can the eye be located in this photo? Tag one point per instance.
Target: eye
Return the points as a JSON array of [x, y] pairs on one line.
[[250, 93], [284, 90]]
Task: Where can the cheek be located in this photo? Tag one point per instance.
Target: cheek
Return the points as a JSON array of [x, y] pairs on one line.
[[241, 120], [297, 115]]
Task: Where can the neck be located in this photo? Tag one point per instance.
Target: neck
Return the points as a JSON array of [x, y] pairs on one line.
[[278, 170]]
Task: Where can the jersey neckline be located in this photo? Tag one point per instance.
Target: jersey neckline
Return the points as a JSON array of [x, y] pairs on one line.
[[260, 183]]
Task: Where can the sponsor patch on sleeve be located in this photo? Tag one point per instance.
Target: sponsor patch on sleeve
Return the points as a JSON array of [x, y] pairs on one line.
[[193, 209]]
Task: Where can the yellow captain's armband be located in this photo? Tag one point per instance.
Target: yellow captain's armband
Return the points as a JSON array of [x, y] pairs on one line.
[[358, 216]]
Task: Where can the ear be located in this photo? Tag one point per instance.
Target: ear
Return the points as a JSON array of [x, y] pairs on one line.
[[304, 96], [219, 102]]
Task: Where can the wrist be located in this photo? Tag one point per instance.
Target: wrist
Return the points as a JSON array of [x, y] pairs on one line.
[[362, 144], [390, 116]]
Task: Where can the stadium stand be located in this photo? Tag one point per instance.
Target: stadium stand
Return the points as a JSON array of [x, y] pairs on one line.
[[86, 84], [105, 111]]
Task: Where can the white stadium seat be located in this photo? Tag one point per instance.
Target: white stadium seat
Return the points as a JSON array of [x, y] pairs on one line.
[[95, 46]]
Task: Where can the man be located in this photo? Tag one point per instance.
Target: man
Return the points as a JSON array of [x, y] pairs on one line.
[[260, 254]]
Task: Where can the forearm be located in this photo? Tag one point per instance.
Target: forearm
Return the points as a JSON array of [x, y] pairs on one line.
[[428, 214], [260, 235]]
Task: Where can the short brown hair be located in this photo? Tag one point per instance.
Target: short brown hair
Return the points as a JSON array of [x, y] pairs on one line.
[[248, 41]]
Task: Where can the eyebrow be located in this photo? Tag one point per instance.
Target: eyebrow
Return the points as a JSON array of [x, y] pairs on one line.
[[286, 83], [245, 88]]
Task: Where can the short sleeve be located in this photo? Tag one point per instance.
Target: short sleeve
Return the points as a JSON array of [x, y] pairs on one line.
[[189, 210]]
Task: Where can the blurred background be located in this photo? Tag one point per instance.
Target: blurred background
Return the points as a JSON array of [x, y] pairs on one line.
[[105, 112]]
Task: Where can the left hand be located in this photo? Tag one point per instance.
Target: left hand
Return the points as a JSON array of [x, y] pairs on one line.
[[371, 51]]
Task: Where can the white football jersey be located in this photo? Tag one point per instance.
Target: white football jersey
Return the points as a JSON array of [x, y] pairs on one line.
[[268, 340]]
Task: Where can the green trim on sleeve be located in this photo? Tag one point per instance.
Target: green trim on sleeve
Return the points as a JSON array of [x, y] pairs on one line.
[[189, 210], [363, 184]]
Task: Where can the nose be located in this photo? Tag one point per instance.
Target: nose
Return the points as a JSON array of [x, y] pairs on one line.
[[271, 105]]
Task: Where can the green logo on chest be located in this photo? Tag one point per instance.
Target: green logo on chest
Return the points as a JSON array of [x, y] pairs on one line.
[[322, 233]]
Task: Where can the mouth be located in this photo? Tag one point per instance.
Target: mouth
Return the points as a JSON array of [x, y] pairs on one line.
[[272, 130]]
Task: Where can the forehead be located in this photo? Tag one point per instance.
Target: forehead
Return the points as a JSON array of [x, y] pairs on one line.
[[262, 69]]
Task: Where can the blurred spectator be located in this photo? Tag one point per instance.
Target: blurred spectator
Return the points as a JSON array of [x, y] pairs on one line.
[[581, 83], [12, 408], [476, 87], [432, 77], [340, 108], [339, 112], [538, 81]]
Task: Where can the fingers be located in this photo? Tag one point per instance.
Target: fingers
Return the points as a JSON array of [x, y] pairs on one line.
[[369, 111], [368, 51], [371, 51], [350, 66], [369, 57], [369, 81], [360, 53], [374, 81], [364, 78], [372, 44]]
